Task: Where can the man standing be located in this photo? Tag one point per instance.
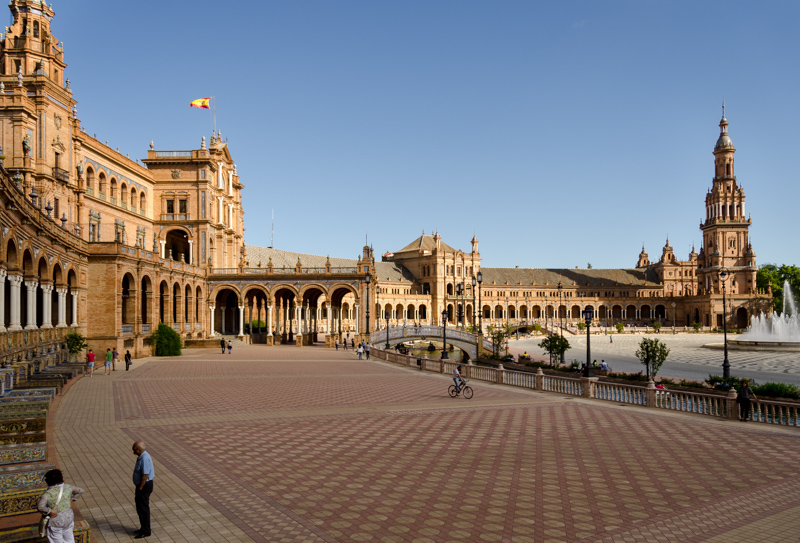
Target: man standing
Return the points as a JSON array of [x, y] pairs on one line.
[[90, 363], [222, 344], [109, 356], [143, 475], [366, 349]]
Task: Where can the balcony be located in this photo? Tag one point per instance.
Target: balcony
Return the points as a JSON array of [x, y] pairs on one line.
[[61, 174], [127, 329], [176, 216]]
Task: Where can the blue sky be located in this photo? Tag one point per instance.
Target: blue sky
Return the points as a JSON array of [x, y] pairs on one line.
[[561, 133]]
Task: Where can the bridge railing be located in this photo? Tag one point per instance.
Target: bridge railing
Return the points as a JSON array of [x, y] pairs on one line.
[[714, 405]]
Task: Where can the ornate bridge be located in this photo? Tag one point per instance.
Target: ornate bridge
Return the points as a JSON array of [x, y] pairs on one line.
[[466, 341]]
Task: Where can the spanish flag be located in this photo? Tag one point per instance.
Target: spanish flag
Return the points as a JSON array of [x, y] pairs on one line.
[[201, 103]]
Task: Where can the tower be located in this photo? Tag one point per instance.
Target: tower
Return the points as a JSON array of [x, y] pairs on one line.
[[725, 229]]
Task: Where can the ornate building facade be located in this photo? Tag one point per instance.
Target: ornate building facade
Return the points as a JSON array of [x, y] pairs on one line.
[[111, 246]]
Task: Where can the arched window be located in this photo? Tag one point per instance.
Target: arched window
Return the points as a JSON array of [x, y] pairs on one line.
[[123, 194], [141, 203], [101, 185], [90, 180], [35, 29], [113, 193], [133, 199]]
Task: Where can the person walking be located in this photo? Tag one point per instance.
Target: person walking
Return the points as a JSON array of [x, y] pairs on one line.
[[114, 359], [109, 357], [337, 343], [128, 360], [745, 398], [360, 351], [222, 344], [90, 363], [366, 349], [230, 346], [56, 503], [143, 475], [344, 344], [353, 343]]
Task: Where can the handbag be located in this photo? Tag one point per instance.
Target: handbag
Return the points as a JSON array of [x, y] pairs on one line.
[[45, 520]]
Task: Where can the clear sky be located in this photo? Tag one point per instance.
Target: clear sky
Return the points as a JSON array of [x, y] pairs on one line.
[[561, 133]]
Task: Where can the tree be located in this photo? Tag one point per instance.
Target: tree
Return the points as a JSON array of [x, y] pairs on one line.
[[537, 327], [555, 346], [657, 327], [76, 343], [774, 275], [588, 265], [652, 353], [620, 328], [167, 342], [498, 334]]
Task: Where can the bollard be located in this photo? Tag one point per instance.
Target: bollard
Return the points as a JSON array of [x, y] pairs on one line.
[[651, 393], [538, 379], [730, 401], [499, 374]]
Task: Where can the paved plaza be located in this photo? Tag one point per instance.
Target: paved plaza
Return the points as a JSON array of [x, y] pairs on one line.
[[299, 445], [688, 359]]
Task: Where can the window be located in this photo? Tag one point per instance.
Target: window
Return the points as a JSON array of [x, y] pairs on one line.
[[181, 206], [203, 204], [202, 174], [170, 206]]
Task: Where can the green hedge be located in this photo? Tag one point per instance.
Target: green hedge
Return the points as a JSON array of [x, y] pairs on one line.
[[166, 341]]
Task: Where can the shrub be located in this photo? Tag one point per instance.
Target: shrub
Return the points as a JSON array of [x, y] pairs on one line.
[[777, 390], [657, 327], [581, 326], [166, 340], [76, 342], [620, 328], [691, 384], [696, 326], [628, 376]]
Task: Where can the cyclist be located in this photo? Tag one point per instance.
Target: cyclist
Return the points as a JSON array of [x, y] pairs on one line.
[[457, 378]]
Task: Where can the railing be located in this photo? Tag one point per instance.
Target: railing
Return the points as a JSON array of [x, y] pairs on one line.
[[176, 216], [101, 196], [188, 326], [127, 329], [174, 154], [61, 174], [197, 325], [176, 327], [90, 191], [224, 271], [715, 405], [145, 328]]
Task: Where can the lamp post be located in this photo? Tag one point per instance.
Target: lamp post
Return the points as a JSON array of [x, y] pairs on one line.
[[366, 314], [480, 315], [560, 324], [444, 335], [387, 346], [587, 369], [474, 282], [459, 293], [673, 318], [726, 366], [545, 325]]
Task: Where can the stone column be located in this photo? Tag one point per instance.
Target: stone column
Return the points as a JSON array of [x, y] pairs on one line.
[[250, 311], [74, 309], [15, 300], [269, 320], [163, 247], [358, 323], [191, 251], [47, 306], [241, 321], [212, 308], [31, 285], [296, 325], [329, 314], [3, 274]]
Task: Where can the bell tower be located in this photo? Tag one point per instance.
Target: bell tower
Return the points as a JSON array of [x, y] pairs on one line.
[[726, 227]]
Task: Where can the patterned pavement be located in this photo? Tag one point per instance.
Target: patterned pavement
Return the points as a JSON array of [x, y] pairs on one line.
[[309, 445]]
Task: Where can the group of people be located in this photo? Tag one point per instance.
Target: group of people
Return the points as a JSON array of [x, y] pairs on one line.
[[229, 345], [112, 356], [56, 501]]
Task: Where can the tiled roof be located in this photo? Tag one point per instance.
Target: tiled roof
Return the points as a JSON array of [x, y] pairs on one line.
[[569, 277], [424, 243], [395, 273], [288, 259]]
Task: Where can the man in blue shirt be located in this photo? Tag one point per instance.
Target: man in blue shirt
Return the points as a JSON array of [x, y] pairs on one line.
[[143, 475]]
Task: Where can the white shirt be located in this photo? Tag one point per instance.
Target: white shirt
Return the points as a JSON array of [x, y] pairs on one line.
[[456, 374]]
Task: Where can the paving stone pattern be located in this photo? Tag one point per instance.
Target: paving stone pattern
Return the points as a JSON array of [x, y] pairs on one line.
[[309, 445]]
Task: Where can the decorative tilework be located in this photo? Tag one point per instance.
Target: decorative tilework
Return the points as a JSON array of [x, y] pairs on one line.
[[18, 454]]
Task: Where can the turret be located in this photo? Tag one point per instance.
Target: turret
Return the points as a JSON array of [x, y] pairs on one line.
[[644, 261]]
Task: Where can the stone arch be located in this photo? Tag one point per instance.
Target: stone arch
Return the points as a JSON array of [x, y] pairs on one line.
[[134, 198], [198, 298], [128, 289], [90, 180], [163, 297], [177, 295], [123, 193], [575, 312], [101, 185], [660, 312], [310, 297], [176, 244], [226, 311], [423, 312], [646, 312], [536, 311], [187, 303], [145, 295], [741, 318], [284, 298], [112, 192], [616, 312], [630, 312]]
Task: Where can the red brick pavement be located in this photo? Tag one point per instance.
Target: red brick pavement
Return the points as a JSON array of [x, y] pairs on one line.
[[340, 450]]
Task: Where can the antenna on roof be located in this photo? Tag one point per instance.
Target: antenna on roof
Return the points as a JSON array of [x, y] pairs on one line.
[[272, 231]]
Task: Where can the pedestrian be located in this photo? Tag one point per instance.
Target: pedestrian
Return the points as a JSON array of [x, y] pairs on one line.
[[745, 397], [222, 344], [128, 360], [611, 339], [353, 343], [90, 363], [109, 357], [337, 343], [230, 346], [143, 475], [360, 351], [366, 349], [114, 358], [344, 344], [56, 504]]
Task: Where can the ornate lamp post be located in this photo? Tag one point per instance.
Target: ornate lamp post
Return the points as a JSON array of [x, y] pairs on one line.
[[444, 335], [387, 346], [545, 324], [459, 293], [587, 369], [673, 318], [726, 366], [366, 314], [474, 282], [506, 311], [480, 315], [560, 316]]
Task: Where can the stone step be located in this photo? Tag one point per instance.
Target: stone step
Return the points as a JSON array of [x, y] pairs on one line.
[[30, 534], [22, 453]]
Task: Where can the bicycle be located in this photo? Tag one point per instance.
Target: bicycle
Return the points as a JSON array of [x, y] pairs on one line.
[[466, 390]]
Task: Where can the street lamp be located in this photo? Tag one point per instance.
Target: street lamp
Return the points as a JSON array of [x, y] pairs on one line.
[[480, 315], [506, 311], [587, 369], [368, 279], [726, 366], [459, 292], [673, 318], [444, 335], [560, 325], [474, 282], [387, 330], [545, 325]]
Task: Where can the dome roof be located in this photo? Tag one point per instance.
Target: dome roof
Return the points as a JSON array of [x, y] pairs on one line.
[[724, 142]]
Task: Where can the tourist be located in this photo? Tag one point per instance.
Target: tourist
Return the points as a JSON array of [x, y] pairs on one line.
[[745, 397], [337, 343], [143, 475], [353, 343], [90, 363], [128, 360], [222, 344], [360, 351], [109, 357], [56, 503], [230, 346], [366, 349], [344, 344], [114, 358], [611, 339], [603, 365]]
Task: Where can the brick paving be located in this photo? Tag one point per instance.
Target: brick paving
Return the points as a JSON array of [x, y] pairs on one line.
[[310, 445]]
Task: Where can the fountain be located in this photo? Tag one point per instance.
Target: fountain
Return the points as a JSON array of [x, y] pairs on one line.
[[777, 332]]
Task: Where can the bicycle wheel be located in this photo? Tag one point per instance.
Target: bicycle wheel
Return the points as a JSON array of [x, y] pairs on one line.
[[467, 391], [452, 391]]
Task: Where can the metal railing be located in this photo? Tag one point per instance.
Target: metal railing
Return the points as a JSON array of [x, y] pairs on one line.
[[176, 216]]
